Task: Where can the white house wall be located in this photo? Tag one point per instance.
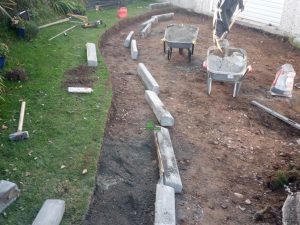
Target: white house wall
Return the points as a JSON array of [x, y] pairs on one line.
[[288, 23]]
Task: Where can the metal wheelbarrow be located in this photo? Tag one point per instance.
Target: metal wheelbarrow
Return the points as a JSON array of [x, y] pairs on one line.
[[182, 36], [233, 70]]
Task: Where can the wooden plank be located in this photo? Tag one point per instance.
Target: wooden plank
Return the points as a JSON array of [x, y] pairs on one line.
[[171, 176], [54, 23], [50, 39]]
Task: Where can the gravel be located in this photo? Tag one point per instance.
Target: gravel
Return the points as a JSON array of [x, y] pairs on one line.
[[234, 63]]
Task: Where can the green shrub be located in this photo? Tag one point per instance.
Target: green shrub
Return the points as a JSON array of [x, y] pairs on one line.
[[67, 6], [280, 180], [4, 50], [1, 92], [31, 30]]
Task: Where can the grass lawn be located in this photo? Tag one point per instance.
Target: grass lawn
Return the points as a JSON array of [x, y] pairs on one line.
[[65, 129]]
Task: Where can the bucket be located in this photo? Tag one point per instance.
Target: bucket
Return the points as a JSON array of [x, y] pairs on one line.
[[21, 32], [122, 12], [2, 62]]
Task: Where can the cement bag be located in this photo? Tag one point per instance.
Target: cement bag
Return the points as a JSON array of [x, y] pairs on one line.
[[284, 81]]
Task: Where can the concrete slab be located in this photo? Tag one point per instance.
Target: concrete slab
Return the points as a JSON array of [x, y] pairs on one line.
[[291, 210], [160, 5], [128, 39], [84, 90], [163, 116], [147, 79], [164, 17], [296, 42], [91, 54], [153, 20], [164, 206], [134, 50], [9, 192], [51, 213], [146, 31], [171, 176]]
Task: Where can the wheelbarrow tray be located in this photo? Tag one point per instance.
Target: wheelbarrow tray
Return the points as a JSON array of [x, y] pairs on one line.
[[226, 76], [231, 76], [181, 35]]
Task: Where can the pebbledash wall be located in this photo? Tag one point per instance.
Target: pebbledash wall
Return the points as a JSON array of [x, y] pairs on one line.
[[275, 16]]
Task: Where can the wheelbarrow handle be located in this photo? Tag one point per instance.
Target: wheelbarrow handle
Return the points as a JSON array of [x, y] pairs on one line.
[[248, 70], [204, 65]]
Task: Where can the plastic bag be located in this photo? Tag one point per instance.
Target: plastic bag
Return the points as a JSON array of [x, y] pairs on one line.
[[284, 81]]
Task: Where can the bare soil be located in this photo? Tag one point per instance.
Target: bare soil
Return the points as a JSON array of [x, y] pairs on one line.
[[80, 76], [223, 145]]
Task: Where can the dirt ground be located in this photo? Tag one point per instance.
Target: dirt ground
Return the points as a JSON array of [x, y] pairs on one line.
[[223, 145]]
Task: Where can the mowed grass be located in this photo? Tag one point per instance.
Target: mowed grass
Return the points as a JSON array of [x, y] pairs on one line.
[[66, 130]]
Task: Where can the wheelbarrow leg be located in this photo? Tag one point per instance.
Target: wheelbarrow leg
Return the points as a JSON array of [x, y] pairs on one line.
[[193, 46], [190, 54], [164, 47], [169, 53], [236, 90], [209, 84]]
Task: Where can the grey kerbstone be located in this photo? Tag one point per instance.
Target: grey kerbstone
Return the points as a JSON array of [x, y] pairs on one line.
[[159, 5], [296, 42], [153, 20], [134, 50], [163, 116], [146, 30], [91, 54], [9, 192], [291, 210], [51, 213], [171, 176], [164, 206], [148, 80], [164, 17], [128, 39]]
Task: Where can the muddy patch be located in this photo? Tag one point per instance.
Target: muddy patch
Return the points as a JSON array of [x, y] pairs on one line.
[[81, 76]]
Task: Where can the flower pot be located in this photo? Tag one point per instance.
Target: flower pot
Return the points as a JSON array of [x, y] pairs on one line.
[[21, 32], [2, 62], [122, 12]]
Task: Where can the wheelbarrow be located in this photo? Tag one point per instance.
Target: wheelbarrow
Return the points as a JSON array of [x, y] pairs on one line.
[[182, 36], [232, 73]]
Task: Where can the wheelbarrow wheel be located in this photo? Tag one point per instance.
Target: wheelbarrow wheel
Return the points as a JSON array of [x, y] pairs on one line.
[[169, 53], [190, 55]]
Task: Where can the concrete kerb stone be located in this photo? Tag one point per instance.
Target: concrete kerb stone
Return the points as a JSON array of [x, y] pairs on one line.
[[296, 42], [9, 192], [91, 54], [147, 79], [159, 5], [291, 210], [146, 30], [134, 50], [51, 213], [171, 176], [153, 20], [164, 17], [162, 114], [164, 206], [128, 39]]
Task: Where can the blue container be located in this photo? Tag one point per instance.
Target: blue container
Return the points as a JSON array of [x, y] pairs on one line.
[[2, 62], [21, 32]]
